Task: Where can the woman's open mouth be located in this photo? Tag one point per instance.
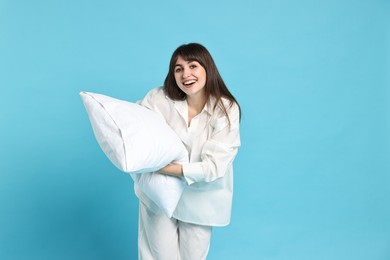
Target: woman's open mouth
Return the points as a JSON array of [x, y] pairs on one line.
[[189, 83]]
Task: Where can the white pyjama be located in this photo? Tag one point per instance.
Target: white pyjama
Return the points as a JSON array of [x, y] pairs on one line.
[[163, 238]]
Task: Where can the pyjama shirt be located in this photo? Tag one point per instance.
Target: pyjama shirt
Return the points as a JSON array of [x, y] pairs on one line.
[[212, 145]]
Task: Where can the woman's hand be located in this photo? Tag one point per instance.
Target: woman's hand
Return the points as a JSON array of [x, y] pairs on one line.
[[172, 169]]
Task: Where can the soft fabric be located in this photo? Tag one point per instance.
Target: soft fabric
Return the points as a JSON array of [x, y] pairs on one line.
[[160, 237], [207, 199], [138, 140]]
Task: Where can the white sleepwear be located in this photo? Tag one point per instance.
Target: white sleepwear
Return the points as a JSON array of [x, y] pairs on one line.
[[162, 238], [212, 144]]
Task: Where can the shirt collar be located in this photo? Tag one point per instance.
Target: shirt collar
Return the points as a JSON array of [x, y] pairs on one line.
[[181, 105]]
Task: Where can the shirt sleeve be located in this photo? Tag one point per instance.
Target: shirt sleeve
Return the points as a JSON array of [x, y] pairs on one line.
[[150, 99], [154, 100], [218, 151]]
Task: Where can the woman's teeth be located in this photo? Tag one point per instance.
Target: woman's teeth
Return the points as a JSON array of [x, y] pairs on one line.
[[189, 82]]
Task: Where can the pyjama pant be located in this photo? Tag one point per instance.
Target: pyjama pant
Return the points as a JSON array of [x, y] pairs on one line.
[[163, 238]]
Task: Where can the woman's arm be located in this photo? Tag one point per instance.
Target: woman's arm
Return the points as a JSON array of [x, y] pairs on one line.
[[172, 169], [217, 153]]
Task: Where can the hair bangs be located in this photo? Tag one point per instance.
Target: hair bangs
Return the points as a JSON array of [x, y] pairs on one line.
[[189, 52]]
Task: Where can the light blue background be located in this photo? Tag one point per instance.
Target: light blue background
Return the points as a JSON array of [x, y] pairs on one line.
[[311, 179]]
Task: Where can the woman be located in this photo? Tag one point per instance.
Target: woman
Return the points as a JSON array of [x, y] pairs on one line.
[[196, 103]]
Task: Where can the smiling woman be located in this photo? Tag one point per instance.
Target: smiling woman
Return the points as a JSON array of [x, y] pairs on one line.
[[200, 109]]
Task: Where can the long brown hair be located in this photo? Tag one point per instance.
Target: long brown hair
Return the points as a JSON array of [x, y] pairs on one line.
[[214, 87]]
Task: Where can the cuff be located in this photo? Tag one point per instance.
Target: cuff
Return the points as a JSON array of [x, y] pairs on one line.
[[193, 172]]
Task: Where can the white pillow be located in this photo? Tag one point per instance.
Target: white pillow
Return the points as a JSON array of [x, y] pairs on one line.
[[138, 140]]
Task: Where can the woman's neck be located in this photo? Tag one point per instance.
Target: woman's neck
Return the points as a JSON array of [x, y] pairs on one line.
[[195, 106], [196, 103]]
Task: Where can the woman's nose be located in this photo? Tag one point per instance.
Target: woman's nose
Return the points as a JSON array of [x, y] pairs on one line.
[[186, 73]]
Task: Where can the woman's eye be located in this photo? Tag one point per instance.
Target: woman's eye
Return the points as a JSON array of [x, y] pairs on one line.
[[177, 69], [192, 66]]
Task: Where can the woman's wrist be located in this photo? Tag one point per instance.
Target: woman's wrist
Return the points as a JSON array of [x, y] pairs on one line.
[[172, 169]]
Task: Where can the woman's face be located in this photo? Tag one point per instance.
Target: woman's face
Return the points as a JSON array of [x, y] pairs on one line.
[[190, 76]]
